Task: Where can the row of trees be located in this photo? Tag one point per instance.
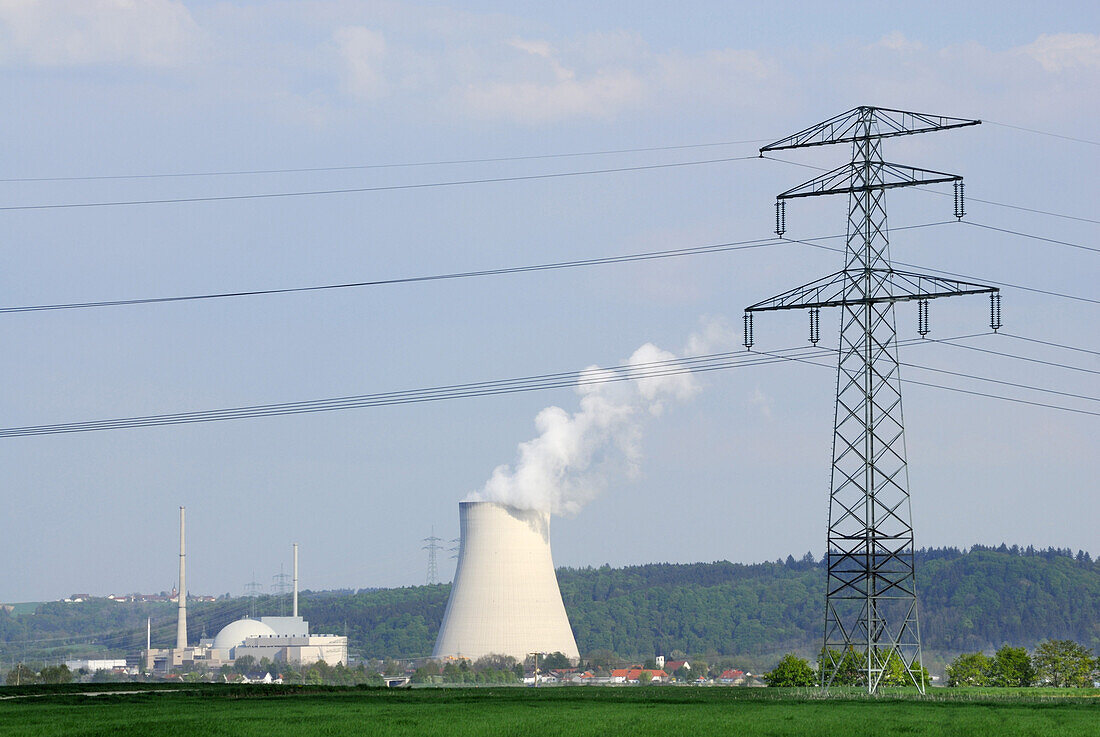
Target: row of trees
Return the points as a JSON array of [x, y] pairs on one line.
[[1058, 663], [970, 600], [24, 675], [793, 671], [491, 669]]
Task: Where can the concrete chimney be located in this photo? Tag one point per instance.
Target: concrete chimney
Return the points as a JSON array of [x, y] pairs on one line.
[[181, 622], [295, 613], [505, 598]]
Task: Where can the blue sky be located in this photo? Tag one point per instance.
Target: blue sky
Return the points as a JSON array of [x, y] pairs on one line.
[[739, 471]]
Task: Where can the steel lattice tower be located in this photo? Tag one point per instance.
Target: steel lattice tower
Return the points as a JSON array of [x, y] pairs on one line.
[[432, 547], [871, 625]]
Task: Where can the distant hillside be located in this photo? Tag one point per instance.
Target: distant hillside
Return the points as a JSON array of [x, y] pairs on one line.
[[970, 600]]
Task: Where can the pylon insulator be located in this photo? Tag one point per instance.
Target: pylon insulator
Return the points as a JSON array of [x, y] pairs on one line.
[[748, 331], [780, 217], [960, 199]]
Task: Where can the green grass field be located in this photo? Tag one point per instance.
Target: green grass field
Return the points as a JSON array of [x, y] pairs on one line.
[[579, 711]]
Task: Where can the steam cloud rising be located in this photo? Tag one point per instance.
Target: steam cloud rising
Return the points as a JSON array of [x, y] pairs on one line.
[[574, 455]]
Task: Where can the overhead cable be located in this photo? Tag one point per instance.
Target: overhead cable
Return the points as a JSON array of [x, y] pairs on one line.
[[379, 188], [1049, 343], [1032, 236], [1029, 359], [960, 390], [1042, 133], [956, 275], [597, 261], [393, 165], [568, 379]]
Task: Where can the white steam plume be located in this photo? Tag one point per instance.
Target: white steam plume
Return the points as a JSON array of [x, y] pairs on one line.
[[574, 455]]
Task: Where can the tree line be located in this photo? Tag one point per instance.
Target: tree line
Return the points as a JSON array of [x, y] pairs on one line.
[[1056, 663], [1053, 663], [970, 600]]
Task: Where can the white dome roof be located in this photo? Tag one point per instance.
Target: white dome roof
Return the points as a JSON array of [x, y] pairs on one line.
[[235, 633]]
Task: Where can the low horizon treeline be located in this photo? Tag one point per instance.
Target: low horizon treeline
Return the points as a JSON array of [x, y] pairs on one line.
[[1053, 663], [969, 600], [1056, 663]]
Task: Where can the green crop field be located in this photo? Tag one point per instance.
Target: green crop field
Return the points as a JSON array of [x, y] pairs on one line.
[[267, 711]]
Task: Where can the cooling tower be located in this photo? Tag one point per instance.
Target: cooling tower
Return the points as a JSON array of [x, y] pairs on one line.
[[505, 598]]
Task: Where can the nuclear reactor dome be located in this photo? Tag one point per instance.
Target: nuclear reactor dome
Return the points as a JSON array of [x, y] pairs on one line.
[[235, 633], [505, 598]]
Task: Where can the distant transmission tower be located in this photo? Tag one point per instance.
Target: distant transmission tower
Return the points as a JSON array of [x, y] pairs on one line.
[[252, 590], [870, 598], [281, 586], [433, 546]]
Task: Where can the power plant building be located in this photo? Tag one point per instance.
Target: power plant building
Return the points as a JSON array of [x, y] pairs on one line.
[[505, 599], [279, 639]]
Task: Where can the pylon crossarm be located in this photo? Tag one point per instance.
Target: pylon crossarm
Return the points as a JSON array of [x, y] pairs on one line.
[[864, 176], [852, 125], [836, 290]]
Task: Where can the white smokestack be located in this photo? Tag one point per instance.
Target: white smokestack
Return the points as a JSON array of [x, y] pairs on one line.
[[505, 598], [181, 622], [295, 613]]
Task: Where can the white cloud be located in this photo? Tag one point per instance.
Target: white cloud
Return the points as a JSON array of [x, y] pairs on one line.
[[536, 48], [549, 90], [362, 52], [600, 96], [896, 41], [761, 402], [1057, 52], [599, 77], [713, 78], [714, 335], [59, 33]]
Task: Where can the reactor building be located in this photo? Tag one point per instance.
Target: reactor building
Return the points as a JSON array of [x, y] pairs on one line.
[[505, 598], [279, 639]]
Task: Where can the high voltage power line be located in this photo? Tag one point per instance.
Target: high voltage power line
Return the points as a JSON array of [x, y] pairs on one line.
[[955, 274], [392, 165], [1052, 344], [960, 390], [550, 266], [379, 188], [1035, 237], [598, 261], [449, 162], [568, 379], [1044, 133]]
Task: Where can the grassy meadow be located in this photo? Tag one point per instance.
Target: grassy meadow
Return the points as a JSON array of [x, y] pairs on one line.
[[577, 711]]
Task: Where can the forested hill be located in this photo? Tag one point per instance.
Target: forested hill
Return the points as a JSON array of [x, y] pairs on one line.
[[970, 600]]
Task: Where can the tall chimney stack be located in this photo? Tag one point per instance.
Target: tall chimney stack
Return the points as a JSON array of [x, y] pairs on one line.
[[181, 622], [295, 579]]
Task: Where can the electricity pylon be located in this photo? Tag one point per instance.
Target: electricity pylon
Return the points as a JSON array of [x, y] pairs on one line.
[[280, 586], [432, 547], [871, 624]]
